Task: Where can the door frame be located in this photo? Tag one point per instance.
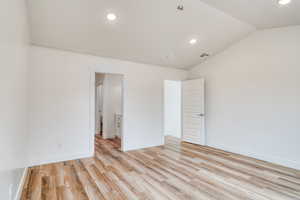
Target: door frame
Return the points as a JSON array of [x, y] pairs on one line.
[[92, 105], [97, 108], [203, 131], [164, 108]]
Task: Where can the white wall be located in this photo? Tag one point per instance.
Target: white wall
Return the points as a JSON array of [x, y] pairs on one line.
[[112, 103], [13, 101], [172, 108], [253, 95], [62, 112]]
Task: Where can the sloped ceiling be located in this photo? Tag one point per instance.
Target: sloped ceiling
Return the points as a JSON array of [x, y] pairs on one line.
[[262, 14], [153, 31]]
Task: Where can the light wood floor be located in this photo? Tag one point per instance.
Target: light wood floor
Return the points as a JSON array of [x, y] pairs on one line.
[[175, 171]]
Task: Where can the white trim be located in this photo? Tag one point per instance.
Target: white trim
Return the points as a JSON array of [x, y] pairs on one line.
[[35, 162], [181, 101], [123, 114], [268, 158], [204, 117], [144, 147], [104, 113], [163, 111], [92, 113], [21, 184]]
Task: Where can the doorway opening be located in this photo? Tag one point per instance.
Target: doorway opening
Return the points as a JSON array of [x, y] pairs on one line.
[[184, 110], [109, 108], [172, 108]]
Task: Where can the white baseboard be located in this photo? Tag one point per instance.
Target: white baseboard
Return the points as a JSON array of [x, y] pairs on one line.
[[269, 158], [142, 147], [42, 161], [21, 184]]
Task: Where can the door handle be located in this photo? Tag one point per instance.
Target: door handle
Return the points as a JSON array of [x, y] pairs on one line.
[[200, 115]]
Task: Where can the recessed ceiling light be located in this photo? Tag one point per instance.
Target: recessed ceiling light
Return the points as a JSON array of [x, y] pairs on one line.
[[193, 41], [284, 2], [111, 16]]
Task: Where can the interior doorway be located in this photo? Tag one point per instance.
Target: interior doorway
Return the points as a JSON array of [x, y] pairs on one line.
[[193, 111], [172, 108], [184, 110], [109, 108]]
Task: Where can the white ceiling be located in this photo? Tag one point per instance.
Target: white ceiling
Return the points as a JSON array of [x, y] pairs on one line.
[[146, 31], [152, 31], [260, 13]]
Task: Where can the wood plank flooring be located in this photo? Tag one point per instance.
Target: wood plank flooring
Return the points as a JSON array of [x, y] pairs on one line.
[[176, 171]]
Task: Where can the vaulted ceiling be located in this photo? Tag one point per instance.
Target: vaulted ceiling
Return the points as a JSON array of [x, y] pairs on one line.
[[153, 32], [260, 13]]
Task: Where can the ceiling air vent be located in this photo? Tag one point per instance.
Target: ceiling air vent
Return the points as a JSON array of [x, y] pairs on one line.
[[204, 55], [180, 7]]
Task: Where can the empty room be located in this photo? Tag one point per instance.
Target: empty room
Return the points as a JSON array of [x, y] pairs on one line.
[[150, 100]]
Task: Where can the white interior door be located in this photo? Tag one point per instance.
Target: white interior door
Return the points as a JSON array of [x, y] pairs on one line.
[[193, 115]]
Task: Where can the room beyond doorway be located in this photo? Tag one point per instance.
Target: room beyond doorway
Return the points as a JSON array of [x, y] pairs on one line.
[[172, 108], [109, 107]]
